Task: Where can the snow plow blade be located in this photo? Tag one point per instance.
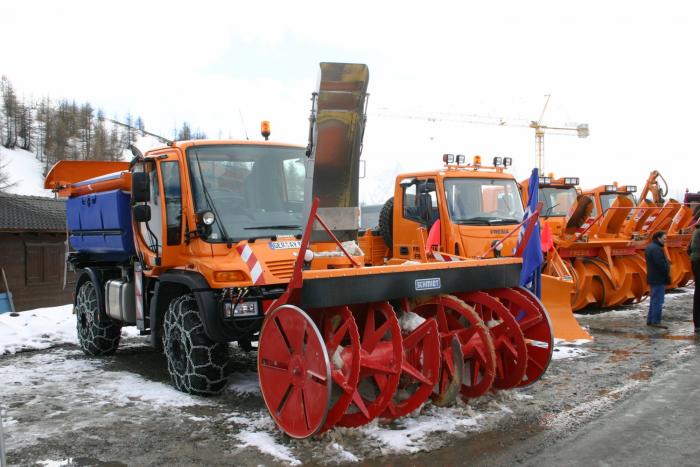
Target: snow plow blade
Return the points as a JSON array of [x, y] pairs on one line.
[[70, 178], [556, 296]]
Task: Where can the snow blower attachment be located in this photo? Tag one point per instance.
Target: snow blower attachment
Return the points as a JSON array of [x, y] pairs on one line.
[[599, 238], [238, 241]]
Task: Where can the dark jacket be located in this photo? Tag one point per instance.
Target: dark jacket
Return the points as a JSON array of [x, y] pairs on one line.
[[658, 267], [694, 247]]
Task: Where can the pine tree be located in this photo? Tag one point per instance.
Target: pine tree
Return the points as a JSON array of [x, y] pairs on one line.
[[99, 148], [140, 125], [85, 129], [185, 132], [9, 100], [26, 126]]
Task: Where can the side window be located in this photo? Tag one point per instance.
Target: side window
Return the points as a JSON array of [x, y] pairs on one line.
[[173, 200], [409, 202], [420, 202], [294, 176], [594, 212]]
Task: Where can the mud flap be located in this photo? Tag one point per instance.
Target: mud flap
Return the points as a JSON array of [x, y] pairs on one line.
[[556, 296]]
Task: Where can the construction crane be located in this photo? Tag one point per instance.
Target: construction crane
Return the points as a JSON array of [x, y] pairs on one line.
[[582, 130]]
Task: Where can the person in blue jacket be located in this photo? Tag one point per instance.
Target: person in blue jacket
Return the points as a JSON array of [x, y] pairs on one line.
[[694, 253], [658, 276]]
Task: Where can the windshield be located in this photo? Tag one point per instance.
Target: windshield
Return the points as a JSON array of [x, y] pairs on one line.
[[607, 199], [484, 201], [556, 201], [256, 191]]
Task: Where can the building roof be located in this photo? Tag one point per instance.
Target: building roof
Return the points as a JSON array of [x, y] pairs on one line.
[[20, 213]]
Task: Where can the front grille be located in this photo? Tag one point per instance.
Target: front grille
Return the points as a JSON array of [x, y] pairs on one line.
[[282, 269]]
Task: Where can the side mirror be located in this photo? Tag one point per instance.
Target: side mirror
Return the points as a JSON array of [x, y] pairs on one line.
[[140, 187], [142, 213]]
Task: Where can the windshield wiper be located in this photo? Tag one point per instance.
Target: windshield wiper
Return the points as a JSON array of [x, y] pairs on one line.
[[258, 227], [481, 220], [549, 210]]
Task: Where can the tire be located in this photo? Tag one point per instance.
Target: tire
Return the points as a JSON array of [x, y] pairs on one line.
[[96, 336], [386, 222], [197, 365]]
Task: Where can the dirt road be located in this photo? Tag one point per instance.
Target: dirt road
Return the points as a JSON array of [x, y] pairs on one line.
[[66, 409]]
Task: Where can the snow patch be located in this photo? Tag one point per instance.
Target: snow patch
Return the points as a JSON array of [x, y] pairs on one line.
[[409, 321], [50, 463], [339, 454], [121, 388], [266, 444], [37, 329], [411, 434], [565, 351], [351, 247], [243, 383], [26, 171], [100, 386], [257, 434], [42, 328]]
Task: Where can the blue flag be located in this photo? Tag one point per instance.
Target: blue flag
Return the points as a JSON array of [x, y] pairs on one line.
[[531, 274]]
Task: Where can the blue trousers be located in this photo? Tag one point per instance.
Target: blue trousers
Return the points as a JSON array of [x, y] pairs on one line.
[[656, 303]]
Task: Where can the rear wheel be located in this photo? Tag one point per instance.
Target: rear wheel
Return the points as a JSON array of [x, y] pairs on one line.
[[197, 365], [96, 336]]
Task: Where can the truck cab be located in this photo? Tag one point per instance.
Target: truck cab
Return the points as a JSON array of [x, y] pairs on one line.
[[558, 196], [475, 203]]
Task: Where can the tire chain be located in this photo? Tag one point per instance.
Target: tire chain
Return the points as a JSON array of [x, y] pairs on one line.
[[196, 364], [96, 337]]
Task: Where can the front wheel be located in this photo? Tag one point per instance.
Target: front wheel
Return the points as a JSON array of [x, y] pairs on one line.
[[96, 336], [197, 365]]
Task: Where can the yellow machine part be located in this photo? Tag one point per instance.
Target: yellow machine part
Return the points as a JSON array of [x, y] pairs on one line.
[[556, 296]]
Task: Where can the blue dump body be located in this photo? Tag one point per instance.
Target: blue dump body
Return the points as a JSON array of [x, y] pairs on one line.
[[100, 223]]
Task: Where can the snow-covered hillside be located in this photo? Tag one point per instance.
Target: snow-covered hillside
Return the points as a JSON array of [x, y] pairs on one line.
[[27, 172]]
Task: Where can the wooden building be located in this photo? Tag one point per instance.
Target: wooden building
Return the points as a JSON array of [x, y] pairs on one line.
[[32, 250]]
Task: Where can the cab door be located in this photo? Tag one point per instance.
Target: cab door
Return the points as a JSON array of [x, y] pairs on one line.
[[160, 237], [419, 208]]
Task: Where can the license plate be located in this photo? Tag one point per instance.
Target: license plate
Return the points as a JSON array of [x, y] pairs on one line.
[[285, 245]]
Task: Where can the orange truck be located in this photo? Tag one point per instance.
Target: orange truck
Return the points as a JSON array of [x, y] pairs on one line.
[[479, 208], [203, 243], [603, 264]]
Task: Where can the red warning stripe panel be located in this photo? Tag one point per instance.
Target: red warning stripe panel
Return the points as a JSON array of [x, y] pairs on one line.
[[254, 266]]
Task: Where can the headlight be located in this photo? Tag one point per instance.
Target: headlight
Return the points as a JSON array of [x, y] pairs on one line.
[[241, 310], [308, 256], [208, 217]]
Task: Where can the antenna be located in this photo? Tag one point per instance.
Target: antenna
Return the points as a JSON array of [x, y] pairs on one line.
[[243, 123], [162, 139]]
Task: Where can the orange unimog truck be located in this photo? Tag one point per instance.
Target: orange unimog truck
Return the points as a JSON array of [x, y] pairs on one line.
[[602, 263], [203, 243], [480, 210]]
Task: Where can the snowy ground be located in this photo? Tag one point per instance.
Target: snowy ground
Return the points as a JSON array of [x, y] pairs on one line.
[[61, 405]]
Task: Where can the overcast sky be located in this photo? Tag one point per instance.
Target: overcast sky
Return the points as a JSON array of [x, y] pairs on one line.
[[627, 69]]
